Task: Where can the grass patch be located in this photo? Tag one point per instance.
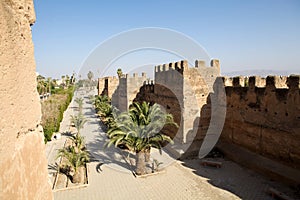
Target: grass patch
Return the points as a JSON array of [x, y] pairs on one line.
[[53, 109]]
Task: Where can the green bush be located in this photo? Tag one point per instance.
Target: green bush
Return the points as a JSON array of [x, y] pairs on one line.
[[52, 124]]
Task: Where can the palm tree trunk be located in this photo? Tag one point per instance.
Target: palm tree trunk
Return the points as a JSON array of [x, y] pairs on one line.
[[147, 154], [140, 163], [78, 176]]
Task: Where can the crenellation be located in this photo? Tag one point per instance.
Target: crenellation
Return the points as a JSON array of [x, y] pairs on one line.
[[281, 81], [165, 67], [200, 64], [293, 82], [252, 82], [184, 65], [228, 81], [148, 82], [268, 107], [178, 66], [156, 69], [215, 63], [256, 81], [172, 66], [160, 68], [238, 81], [256, 106]]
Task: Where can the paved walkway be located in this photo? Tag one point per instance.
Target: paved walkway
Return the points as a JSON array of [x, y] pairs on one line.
[[53, 146], [110, 177]]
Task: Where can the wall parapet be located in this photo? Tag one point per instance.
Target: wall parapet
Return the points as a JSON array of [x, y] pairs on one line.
[[134, 75], [182, 65], [179, 66], [277, 82]]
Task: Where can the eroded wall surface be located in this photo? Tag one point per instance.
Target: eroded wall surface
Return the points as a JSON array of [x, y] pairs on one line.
[[265, 118], [23, 163], [261, 114], [126, 90], [182, 90], [107, 86]]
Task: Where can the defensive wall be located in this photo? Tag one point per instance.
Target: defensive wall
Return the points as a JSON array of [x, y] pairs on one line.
[[107, 85], [262, 114], [124, 93], [262, 125], [23, 162], [182, 90]]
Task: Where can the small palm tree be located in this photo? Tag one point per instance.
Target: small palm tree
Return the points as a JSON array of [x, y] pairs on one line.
[[139, 130], [75, 160], [144, 114], [100, 100], [90, 75], [79, 101], [119, 72], [78, 121], [78, 142]]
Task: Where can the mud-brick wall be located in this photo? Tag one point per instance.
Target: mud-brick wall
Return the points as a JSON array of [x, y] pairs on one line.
[[182, 90], [23, 163], [155, 93], [107, 86], [126, 90], [265, 120]]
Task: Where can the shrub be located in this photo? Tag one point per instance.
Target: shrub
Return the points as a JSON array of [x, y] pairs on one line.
[[53, 110]]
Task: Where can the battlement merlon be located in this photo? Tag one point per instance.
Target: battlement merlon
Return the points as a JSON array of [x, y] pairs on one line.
[[238, 81], [148, 82], [213, 63], [275, 82], [182, 65], [108, 78], [293, 82], [134, 75], [179, 66]]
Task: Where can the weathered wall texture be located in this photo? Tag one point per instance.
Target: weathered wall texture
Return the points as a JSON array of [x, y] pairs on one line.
[[182, 90], [126, 90], [23, 163], [156, 93], [107, 86], [262, 114], [265, 120]]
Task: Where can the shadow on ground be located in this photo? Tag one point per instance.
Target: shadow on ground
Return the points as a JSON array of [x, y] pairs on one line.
[[244, 183], [95, 141]]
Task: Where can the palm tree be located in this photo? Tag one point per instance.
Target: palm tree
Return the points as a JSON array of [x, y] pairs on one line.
[[78, 142], [49, 84], [67, 80], [105, 110], [144, 114], [90, 75], [101, 99], [119, 72], [78, 122], [139, 130], [79, 101], [75, 160]]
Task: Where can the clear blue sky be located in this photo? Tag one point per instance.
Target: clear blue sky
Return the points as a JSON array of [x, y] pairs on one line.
[[244, 35]]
